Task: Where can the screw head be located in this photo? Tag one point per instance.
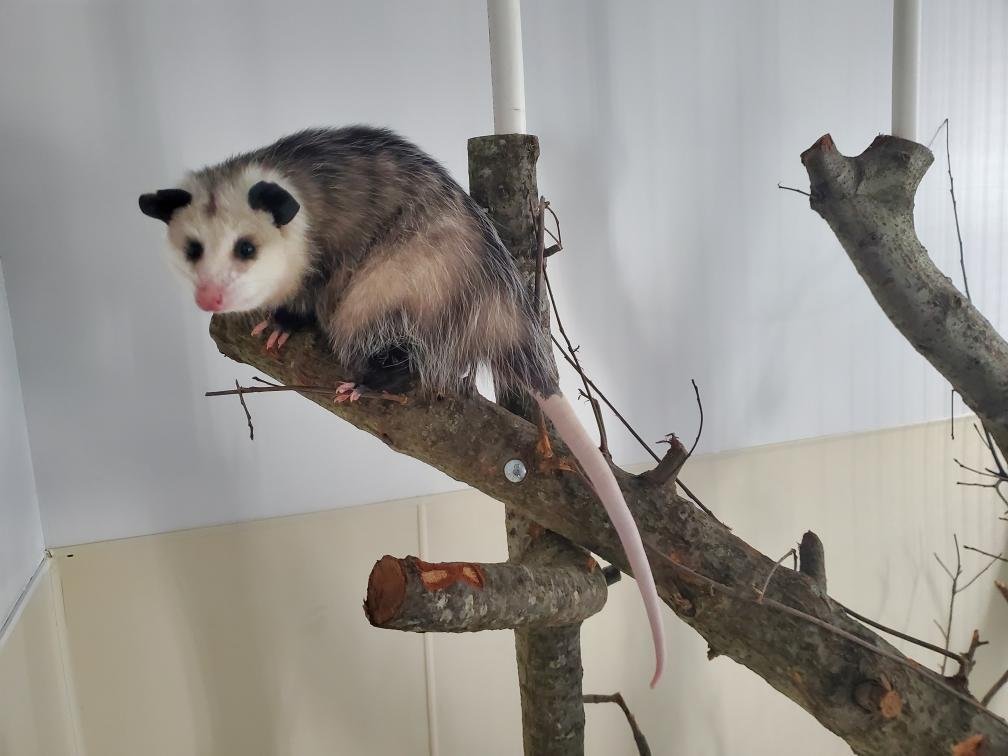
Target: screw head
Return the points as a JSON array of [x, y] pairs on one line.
[[515, 470]]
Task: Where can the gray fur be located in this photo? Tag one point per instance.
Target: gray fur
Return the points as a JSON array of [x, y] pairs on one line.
[[381, 211]]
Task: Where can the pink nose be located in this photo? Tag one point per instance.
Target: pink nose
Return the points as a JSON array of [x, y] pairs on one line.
[[210, 297]]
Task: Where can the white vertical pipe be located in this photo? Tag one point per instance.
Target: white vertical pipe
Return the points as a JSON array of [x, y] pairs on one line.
[[905, 67], [507, 70]]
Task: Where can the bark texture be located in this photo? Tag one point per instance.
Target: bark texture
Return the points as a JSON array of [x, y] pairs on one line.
[[868, 201], [461, 597], [502, 180], [549, 658]]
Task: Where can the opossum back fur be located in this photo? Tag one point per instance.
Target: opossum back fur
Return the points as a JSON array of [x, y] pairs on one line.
[[400, 256]]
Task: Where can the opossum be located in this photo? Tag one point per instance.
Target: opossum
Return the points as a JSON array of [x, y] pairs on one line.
[[360, 231]]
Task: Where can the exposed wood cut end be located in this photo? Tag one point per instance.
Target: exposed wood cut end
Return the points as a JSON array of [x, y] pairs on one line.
[[824, 143], [891, 704], [975, 745], [386, 590]]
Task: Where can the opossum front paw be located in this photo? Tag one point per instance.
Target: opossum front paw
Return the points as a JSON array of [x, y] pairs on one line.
[[347, 392], [276, 339]]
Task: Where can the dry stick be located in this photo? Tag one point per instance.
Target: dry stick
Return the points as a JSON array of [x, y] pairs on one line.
[[955, 208], [644, 444], [573, 361], [699, 429], [994, 689], [956, 590], [793, 189], [603, 438], [761, 592], [903, 636], [617, 698], [1000, 683], [248, 415], [364, 393], [996, 557], [947, 632], [990, 564]]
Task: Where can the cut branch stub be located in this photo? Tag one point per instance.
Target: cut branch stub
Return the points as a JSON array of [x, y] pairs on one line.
[[812, 559], [868, 203], [466, 597]]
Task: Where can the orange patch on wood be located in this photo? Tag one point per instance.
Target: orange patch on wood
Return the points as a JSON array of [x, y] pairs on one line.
[[437, 577], [972, 746], [891, 704]]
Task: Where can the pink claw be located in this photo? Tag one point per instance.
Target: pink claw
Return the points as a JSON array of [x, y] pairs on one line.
[[277, 339], [347, 392], [261, 327]]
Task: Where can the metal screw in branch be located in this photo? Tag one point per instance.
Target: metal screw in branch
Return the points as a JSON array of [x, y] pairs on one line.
[[515, 470]]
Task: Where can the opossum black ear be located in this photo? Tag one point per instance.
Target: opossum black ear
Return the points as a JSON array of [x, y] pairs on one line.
[[275, 200], [163, 203]]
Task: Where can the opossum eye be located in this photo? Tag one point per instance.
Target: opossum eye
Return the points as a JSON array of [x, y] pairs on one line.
[[193, 250], [244, 249]]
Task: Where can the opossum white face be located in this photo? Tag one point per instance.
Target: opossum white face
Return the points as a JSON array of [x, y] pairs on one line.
[[240, 243]]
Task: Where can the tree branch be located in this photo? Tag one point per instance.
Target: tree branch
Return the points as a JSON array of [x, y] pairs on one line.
[[456, 597], [868, 202], [702, 570]]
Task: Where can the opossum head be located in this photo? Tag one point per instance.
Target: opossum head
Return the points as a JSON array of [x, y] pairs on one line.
[[240, 241]]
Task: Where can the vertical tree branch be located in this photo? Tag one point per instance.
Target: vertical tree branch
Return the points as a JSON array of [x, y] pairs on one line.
[[502, 179]]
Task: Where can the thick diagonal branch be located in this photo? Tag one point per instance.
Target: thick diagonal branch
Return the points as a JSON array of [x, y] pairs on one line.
[[471, 439], [466, 597], [868, 201]]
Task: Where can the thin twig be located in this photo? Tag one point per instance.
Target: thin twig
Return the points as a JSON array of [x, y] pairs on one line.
[[700, 427], [952, 415], [1000, 683], [248, 415], [540, 221], [364, 393], [898, 634], [793, 189], [985, 553], [575, 362], [952, 597], [985, 437], [955, 207], [630, 429], [557, 238], [994, 689], [642, 745], [761, 592], [990, 564]]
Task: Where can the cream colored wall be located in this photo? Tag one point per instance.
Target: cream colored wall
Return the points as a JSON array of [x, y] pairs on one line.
[[36, 714], [249, 639]]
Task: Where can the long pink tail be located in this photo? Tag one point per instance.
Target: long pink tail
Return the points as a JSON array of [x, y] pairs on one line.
[[559, 410]]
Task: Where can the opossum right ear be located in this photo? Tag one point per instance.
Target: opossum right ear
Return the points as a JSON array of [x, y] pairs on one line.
[[163, 203], [275, 200]]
